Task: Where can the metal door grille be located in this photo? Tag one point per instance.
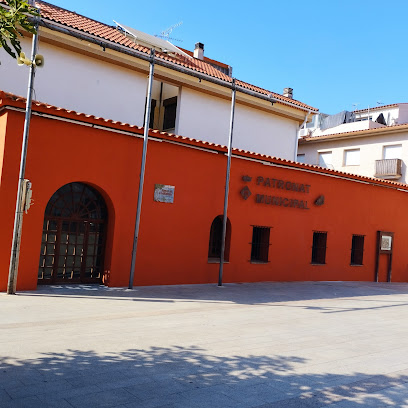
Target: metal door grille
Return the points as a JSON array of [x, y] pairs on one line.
[[73, 240], [319, 247], [260, 244]]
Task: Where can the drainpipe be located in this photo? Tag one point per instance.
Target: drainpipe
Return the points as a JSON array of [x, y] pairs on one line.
[[227, 180], [18, 216], [142, 169], [298, 134]]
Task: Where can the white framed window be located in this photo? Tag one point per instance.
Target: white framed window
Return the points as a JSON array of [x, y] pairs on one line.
[[392, 151], [361, 118], [301, 158], [352, 157], [325, 159]]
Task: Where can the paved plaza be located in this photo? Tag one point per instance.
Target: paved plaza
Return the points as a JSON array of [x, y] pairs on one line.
[[262, 345]]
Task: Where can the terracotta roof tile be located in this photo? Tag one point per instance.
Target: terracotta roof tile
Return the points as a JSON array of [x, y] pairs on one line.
[[8, 99], [392, 105], [70, 19], [361, 132]]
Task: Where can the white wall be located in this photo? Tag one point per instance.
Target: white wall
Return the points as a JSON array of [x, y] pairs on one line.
[[261, 132], [206, 117], [343, 128], [203, 117], [393, 116], [403, 113], [371, 149], [84, 84], [73, 81]]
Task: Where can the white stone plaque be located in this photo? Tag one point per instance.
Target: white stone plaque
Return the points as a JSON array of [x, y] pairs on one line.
[[386, 243], [163, 193]]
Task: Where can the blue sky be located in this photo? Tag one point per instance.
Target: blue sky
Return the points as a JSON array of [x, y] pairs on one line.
[[333, 53]]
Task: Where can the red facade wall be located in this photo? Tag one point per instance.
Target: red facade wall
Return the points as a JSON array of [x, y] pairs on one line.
[[173, 240]]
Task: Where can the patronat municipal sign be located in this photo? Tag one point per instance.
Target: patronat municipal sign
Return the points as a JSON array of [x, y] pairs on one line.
[[272, 191]]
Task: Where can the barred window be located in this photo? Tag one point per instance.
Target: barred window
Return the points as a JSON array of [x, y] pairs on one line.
[[319, 247], [357, 249], [260, 244]]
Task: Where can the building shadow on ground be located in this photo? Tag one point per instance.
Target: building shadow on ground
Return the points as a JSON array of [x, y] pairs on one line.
[[187, 377], [372, 295]]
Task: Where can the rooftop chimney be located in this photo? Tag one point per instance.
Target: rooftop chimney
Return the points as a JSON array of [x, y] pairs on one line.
[[199, 51], [288, 92]]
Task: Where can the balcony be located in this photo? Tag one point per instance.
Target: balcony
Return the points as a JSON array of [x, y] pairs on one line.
[[389, 169]]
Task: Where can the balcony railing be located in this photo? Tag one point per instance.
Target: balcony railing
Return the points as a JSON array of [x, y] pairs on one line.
[[388, 168]]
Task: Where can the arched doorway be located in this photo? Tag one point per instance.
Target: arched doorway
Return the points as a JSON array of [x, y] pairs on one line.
[[214, 246], [73, 240]]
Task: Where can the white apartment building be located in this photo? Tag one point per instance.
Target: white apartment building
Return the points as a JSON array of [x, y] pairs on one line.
[[102, 70], [373, 143]]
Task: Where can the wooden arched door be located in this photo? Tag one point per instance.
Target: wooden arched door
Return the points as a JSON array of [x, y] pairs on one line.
[[73, 240]]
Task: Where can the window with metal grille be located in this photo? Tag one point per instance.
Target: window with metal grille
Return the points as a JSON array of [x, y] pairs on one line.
[[319, 247], [214, 246], [357, 249], [260, 244]]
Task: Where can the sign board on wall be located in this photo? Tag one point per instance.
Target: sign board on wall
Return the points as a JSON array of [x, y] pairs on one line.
[[385, 242], [274, 192], [164, 193]]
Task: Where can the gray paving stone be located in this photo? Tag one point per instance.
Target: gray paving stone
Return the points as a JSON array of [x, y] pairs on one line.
[[300, 344], [37, 389], [110, 398], [55, 398], [34, 402], [4, 398]]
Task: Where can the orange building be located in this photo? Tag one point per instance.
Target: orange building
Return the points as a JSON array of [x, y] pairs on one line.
[[286, 221]]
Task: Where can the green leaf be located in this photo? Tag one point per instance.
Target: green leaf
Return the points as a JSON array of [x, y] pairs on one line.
[[18, 16]]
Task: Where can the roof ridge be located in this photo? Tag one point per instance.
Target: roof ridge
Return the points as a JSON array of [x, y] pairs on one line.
[[378, 107]]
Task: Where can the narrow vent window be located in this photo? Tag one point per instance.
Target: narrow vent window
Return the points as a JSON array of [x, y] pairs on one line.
[[260, 244], [319, 247], [357, 249]]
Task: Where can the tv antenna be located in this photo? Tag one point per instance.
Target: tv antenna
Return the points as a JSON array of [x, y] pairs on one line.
[[166, 33]]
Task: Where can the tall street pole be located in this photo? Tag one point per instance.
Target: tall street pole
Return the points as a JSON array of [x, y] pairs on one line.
[[18, 217], [142, 169], [227, 180]]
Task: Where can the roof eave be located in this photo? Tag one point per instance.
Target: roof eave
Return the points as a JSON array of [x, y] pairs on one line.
[[105, 43], [356, 134]]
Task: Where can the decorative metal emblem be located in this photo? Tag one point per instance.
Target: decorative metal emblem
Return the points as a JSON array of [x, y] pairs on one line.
[[319, 200], [246, 193]]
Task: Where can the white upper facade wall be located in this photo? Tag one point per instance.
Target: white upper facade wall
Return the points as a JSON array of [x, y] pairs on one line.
[[371, 149], [393, 115], [403, 113], [73, 81], [85, 84], [346, 127], [208, 118]]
